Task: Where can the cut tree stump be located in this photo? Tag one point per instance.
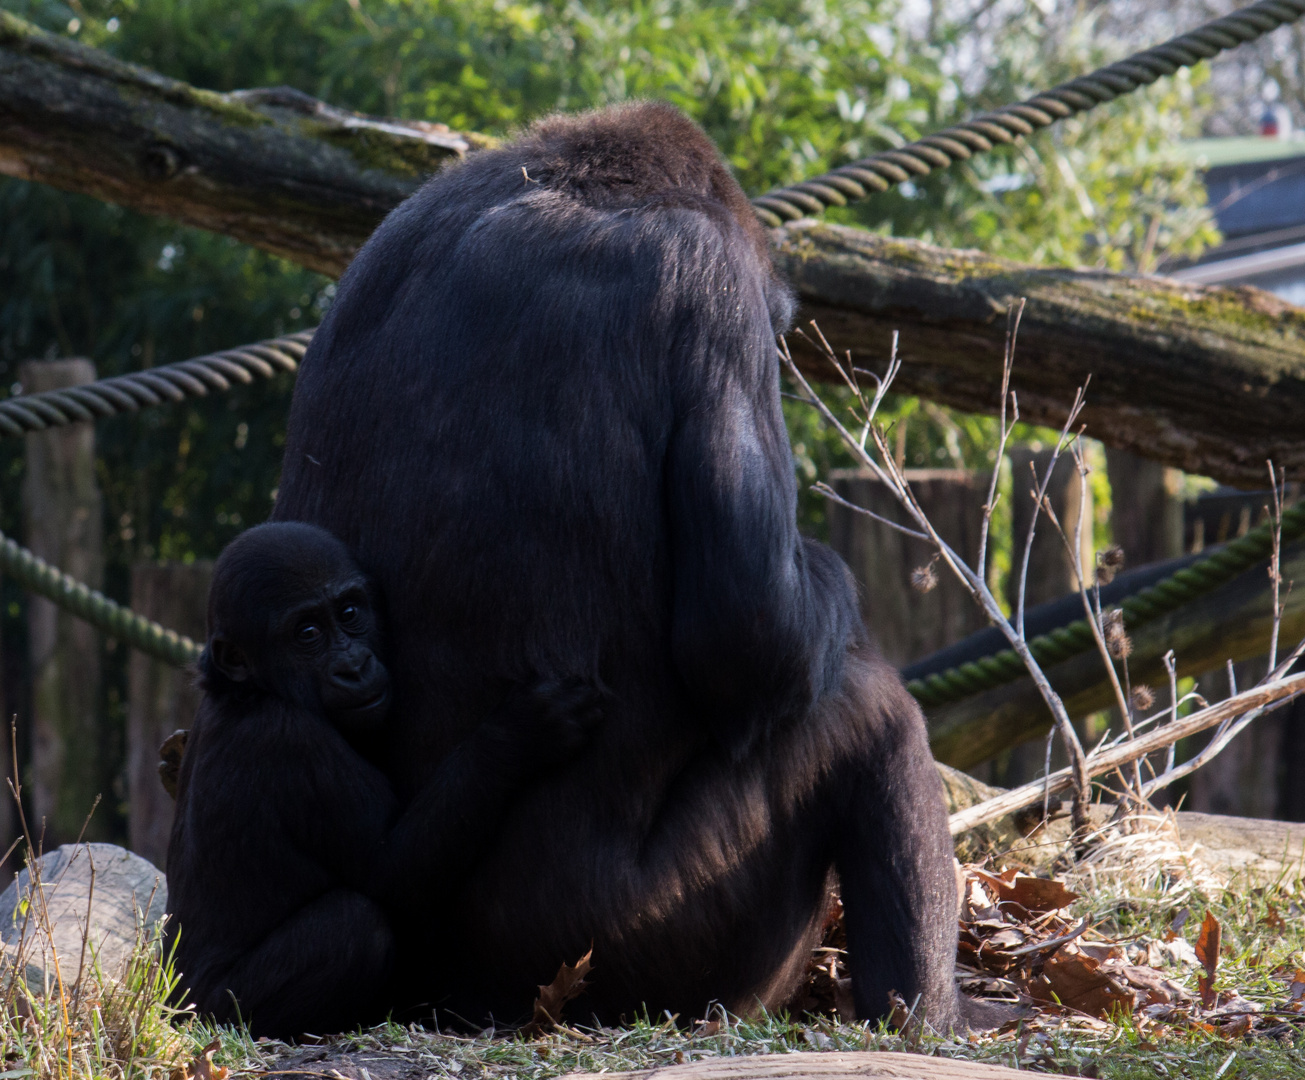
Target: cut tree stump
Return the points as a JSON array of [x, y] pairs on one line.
[[887, 1064]]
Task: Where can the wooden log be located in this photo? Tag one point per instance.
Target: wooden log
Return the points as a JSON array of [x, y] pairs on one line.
[[1261, 851], [277, 169], [1208, 379], [161, 698], [64, 524], [1230, 622], [1211, 381], [908, 623], [829, 1065]]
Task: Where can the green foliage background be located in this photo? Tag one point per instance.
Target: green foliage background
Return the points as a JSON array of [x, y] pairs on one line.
[[785, 87]]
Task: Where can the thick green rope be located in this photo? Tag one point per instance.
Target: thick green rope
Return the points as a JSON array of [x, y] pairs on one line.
[[34, 573], [1164, 596]]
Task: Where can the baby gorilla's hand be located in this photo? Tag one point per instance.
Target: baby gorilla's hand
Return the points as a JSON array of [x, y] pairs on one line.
[[549, 721]]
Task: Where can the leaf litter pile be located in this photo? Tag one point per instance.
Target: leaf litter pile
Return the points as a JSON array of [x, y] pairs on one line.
[[1020, 948]]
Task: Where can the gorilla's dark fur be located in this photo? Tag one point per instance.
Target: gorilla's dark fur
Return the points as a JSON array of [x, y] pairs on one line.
[[544, 413], [289, 858]]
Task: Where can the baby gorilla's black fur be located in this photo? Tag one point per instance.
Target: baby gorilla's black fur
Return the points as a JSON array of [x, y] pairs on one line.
[[289, 862]]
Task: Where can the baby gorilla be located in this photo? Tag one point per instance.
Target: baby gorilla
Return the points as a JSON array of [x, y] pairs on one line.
[[289, 858]]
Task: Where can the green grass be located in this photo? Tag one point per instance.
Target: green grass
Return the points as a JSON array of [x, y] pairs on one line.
[[123, 1028]]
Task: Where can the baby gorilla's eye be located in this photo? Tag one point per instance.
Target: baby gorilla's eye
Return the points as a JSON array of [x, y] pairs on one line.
[[350, 615], [308, 634]]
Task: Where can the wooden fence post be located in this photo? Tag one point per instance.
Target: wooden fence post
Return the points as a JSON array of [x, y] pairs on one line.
[[1146, 509], [64, 521], [1050, 572], [1050, 576], [910, 624], [160, 698]]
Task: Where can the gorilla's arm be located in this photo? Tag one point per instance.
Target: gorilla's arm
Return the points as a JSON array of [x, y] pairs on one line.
[[426, 854], [762, 618]]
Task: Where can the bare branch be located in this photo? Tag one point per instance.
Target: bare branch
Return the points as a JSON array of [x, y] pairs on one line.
[[1257, 699]]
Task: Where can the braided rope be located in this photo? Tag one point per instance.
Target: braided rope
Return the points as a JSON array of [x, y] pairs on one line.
[[153, 386], [109, 397], [34, 573], [882, 170], [1164, 596]]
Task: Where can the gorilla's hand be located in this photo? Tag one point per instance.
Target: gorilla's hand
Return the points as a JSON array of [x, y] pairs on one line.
[[549, 721]]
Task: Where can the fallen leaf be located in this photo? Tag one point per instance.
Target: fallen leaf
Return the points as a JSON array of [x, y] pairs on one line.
[[1235, 1028], [202, 1068], [900, 1013], [568, 983], [1036, 894], [1176, 926], [1159, 990], [1207, 952], [1079, 981], [1273, 919], [1297, 991]]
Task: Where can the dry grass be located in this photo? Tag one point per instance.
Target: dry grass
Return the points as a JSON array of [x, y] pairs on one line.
[[67, 1016]]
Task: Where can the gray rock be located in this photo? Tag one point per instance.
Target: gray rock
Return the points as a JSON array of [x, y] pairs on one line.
[[129, 894]]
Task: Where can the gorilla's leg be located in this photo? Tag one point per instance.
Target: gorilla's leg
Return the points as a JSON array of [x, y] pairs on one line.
[[329, 966], [894, 857]]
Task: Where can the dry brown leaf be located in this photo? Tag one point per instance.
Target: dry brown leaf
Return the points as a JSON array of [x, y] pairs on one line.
[[1273, 919], [1035, 894], [568, 983], [1297, 991], [1207, 951], [1236, 1027], [202, 1068], [1079, 982], [1159, 990]]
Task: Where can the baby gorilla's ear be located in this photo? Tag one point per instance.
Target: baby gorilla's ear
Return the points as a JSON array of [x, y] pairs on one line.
[[229, 659]]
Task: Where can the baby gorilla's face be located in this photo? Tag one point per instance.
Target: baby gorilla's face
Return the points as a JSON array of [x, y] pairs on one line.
[[331, 642], [291, 615]]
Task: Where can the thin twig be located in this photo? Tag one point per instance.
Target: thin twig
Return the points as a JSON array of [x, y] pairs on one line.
[[1013, 316], [823, 489], [885, 468], [1275, 562]]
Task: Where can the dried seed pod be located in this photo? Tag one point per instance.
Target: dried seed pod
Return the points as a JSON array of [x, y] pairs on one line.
[[1109, 563], [1143, 698], [924, 578], [1118, 643]]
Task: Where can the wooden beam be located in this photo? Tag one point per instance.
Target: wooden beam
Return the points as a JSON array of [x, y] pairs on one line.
[[829, 1065]]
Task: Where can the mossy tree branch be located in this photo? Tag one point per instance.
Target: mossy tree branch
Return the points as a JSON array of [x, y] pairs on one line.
[[273, 168], [1209, 379]]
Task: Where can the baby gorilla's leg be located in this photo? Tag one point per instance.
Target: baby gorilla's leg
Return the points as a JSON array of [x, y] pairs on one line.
[[326, 968]]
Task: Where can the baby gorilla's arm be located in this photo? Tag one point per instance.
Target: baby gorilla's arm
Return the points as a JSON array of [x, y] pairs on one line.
[[456, 814]]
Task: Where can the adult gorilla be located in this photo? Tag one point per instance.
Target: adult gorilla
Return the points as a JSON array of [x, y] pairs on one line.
[[544, 414]]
